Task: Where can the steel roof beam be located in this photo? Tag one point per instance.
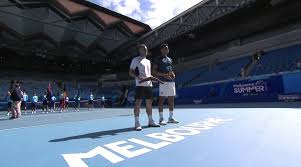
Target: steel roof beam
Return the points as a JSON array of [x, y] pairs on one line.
[[56, 25]]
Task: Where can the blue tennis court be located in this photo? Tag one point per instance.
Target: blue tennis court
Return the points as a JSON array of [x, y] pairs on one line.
[[211, 137], [78, 68]]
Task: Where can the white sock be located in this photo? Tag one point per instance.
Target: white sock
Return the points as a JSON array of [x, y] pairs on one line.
[[161, 115], [170, 114], [150, 118], [137, 120]]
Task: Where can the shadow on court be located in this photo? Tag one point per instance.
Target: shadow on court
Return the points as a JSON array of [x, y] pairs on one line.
[[4, 119], [96, 135]]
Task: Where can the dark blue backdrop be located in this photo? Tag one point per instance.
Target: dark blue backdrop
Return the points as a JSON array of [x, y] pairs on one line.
[[252, 90]]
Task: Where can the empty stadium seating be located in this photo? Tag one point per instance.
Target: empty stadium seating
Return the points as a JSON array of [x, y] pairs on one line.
[[221, 71], [275, 61], [279, 60], [186, 76]]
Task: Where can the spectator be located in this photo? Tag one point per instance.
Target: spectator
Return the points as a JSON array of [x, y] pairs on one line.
[[67, 103], [122, 101], [9, 101], [102, 102], [49, 97], [45, 103], [34, 103], [52, 104], [77, 101], [91, 99], [16, 97], [24, 102]]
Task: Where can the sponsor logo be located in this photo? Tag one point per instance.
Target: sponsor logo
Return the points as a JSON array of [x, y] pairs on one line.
[[198, 101], [257, 87], [289, 97]]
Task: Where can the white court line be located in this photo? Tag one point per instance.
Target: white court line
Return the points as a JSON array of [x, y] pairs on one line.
[[68, 122], [84, 112]]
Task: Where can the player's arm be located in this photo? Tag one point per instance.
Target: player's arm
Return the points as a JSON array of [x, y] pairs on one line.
[[132, 73], [172, 75], [132, 69], [157, 73]]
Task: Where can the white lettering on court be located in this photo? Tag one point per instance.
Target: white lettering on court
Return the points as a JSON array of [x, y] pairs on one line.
[[148, 144], [75, 160], [125, 149]]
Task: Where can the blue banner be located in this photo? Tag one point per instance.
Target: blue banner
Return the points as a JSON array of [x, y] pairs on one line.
[[269, 85], [253, 90], [292, 82]]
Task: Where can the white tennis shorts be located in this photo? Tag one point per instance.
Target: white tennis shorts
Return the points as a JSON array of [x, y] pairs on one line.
[[167, 89]]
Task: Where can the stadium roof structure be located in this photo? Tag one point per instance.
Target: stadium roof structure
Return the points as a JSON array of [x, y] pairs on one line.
[[213, 26], [75, 28], [197, 16]]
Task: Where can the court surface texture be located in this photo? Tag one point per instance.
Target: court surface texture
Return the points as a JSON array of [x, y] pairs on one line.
[[206, 136]]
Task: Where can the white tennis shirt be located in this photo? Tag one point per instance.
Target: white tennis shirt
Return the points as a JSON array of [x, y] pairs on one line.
[[144, 67]]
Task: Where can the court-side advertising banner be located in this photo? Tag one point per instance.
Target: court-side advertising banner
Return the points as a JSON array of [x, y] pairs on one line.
[[289, 97], [234, 91], [255, 87]]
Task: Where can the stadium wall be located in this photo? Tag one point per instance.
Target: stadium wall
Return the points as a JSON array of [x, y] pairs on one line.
[[275, 88], [265, 88], [292, 83]]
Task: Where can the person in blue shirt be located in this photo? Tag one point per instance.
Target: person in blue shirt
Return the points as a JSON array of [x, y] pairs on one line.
[[91, 99], [49, 96], [45, 103], [24, 102], [102, 102], [67, 103], [52, 104], [77, 101], [163, 68], [34, 103]]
